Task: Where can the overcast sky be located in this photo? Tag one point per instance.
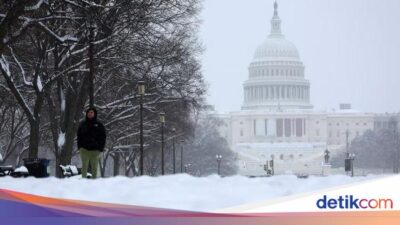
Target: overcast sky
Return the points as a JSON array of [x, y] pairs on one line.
[[350, 49]]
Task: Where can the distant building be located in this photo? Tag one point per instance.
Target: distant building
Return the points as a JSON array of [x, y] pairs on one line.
[[277, 120]]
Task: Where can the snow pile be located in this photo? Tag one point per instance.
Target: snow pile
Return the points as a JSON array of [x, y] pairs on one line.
[[176, 191], [69, 170], [21, 169]]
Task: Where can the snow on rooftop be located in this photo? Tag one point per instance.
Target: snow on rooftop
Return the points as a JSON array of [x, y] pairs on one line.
[[281, 144]]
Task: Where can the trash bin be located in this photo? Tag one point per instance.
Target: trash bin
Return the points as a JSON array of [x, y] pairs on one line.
[[37, 167]]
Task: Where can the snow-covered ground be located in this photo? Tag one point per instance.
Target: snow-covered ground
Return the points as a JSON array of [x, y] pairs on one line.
[[176, 191]]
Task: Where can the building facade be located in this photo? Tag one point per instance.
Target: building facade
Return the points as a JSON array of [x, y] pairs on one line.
[[277, 121]]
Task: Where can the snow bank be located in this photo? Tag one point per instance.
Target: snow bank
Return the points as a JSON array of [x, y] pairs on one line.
[[176, 191]]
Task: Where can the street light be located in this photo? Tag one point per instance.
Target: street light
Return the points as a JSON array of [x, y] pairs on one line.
[[141, 92], [352, 157], [187, 166], [92, 27], [162, 121], [173, 149], [219, 158], [326, 157], [347, 140], [182, 155]]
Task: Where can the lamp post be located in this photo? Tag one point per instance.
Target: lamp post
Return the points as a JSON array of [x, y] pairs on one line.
[[352, 156], [326, 157], [182, 155], [347, 140], [141, 92], [349, 163], [219, 158], [162, 121], [173, 149], [92, 27], [271, 164], [187, 166]]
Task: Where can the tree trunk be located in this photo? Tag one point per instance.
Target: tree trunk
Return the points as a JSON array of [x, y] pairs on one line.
[[34, 139], [116, 159]]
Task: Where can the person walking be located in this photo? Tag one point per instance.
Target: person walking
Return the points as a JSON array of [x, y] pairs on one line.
[[91, 139]]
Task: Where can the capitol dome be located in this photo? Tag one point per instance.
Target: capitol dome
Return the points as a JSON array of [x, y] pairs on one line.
[[276, 74], [275, 48]]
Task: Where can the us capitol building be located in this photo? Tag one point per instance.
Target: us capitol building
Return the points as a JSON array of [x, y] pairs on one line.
[[277, 121]]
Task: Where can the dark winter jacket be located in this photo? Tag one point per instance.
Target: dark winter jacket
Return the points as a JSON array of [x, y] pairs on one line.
[[91, 134]]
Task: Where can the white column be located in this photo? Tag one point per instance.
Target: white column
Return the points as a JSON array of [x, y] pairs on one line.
[[292, 127], [250, 94], [271, 126], [287, 92], [262, 92], [298, 92], [293, 92], [301, 93], [279, 92]]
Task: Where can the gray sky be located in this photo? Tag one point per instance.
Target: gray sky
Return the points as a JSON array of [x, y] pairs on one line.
[[351, 49]]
